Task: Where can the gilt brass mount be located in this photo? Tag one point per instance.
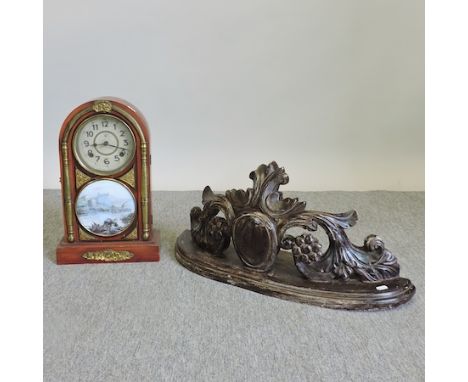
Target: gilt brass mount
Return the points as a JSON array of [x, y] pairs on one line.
[[108, 255]]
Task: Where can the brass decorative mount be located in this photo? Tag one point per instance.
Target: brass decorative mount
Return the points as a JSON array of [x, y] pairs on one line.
[[108, 255]]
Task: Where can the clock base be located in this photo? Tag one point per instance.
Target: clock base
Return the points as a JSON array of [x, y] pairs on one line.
[[108, 251]]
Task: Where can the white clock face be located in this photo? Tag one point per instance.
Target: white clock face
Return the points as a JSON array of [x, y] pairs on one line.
[[104, 144]]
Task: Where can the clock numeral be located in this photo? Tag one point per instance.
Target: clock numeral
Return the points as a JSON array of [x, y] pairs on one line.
[[122, 153], [115, 126], [122, 133], [89, 134], [125, 142], [86, 143], [95, 126], [104, 123], [106, 161], [116, 158], [90, 153], [97, 158]]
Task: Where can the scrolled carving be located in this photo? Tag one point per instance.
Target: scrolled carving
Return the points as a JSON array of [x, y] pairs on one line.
[[264, 194], [345, 260], [209, 231], [258, 219]]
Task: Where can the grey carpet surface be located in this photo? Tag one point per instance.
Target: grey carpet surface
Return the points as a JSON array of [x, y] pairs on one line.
[[160, 322]]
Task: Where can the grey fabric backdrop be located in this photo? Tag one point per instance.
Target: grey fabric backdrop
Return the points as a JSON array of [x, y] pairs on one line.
[[160, 322]]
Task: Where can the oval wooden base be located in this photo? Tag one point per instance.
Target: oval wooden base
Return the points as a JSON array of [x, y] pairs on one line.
[[285, 282]]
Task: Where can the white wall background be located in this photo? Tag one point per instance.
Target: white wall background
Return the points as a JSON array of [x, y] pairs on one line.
[[333, 90]]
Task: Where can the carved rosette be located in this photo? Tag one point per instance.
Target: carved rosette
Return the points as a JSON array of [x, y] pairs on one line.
[[258, 220]]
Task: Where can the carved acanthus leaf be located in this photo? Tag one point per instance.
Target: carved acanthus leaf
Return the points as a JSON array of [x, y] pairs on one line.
[[275, 215]]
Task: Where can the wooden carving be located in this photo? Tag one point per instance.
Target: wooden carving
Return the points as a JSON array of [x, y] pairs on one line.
[[258, 220]]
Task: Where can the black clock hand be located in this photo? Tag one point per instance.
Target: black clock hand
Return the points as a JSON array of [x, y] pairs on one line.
[[121, 148], [108, 144]]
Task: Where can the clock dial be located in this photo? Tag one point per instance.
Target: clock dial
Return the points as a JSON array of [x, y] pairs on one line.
[[104, 144], [105, 207]]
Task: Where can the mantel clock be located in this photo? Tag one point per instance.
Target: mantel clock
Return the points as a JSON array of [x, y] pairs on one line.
[[106, 190]]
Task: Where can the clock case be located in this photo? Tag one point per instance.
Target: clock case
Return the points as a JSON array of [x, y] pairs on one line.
[[139, 242]]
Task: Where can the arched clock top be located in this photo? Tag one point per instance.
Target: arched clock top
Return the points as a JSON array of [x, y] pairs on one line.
[[111, 106]]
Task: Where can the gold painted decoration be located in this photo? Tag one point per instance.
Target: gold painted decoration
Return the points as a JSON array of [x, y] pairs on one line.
[[81, 178], [102, 106], [108, 255], [144, 192], [86, 236], [132, 235], [67, 194], [129, 178]]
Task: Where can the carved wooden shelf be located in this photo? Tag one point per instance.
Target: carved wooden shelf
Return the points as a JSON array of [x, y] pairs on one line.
[[267, 259]]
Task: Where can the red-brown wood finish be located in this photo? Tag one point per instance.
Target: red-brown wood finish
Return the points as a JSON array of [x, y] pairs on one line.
[[72, 253], [144, 250]]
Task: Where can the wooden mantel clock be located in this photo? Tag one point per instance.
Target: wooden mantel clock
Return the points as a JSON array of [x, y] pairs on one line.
[[106, 191]]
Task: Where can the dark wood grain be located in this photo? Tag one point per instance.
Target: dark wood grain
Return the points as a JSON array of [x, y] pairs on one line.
[[259, 220]]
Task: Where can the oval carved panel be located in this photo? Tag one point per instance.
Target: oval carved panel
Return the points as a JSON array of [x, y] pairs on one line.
[[254, 238]]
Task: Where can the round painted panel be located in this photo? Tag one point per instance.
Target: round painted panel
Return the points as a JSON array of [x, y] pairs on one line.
[[105, 207]]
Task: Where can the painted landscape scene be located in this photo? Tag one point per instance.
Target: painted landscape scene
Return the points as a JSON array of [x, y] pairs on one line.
[[105, 208]]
